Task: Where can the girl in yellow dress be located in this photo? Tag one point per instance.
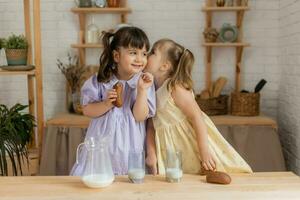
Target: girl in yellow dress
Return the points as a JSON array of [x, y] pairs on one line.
[[179, 124]]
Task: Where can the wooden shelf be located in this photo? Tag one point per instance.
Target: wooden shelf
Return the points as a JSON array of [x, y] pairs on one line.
[[237, 44], [69, 120], [6, 72], [260, 120], [123, 10], [80, 121], [86, 46], [225, 9]]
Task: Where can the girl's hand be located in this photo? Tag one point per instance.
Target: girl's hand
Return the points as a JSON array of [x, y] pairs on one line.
[[145, 80], [151, 162], [110, 97], [208, 163]]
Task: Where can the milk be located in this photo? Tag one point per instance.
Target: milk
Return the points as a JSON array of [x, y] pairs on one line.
[[97, 180], [136, 175], [173, 174]]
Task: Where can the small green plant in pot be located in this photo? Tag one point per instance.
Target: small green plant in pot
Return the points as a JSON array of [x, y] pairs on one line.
[[16, 47], [16, 131]]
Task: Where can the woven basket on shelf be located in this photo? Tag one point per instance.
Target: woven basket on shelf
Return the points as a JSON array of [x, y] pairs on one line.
[[214, 106], [16, 56], [245, 104]]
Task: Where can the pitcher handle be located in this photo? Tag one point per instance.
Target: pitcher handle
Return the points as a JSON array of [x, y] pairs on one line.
[[77, 151]]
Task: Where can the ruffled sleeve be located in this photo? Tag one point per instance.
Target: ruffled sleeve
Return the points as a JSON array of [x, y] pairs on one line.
[[91, 91]]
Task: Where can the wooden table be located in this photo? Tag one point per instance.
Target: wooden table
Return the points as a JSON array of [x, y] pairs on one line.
[[270, 185]]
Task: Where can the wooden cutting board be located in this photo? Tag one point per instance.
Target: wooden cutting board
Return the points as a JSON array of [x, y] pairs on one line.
[[271, 185]]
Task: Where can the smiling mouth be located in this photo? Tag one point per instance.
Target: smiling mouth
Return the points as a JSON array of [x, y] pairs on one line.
[[137, 66]]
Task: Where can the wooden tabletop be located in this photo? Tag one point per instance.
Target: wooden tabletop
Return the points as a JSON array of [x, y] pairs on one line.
[[271, 185]]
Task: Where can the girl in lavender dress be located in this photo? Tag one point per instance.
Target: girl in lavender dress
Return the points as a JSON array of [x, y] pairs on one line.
[[123, 59]]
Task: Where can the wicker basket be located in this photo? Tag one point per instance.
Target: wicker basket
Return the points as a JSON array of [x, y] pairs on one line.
[[214, 106], [245, 104], [16, 56]]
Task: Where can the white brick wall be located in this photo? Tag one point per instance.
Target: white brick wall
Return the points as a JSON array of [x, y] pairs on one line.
[[289, 96], [180, 20]]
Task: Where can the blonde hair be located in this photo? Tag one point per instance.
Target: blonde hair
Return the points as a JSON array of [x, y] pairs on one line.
[[182, 61]]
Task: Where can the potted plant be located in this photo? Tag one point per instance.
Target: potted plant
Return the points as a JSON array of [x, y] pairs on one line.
[[16, 50], [76, 75], [73, 72], [16, 130]]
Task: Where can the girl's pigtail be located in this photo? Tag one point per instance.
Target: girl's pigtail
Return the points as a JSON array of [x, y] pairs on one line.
[[184, 69], [182, 75], [106, 68]]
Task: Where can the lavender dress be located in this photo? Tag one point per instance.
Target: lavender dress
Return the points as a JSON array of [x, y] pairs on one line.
[[124, 133]]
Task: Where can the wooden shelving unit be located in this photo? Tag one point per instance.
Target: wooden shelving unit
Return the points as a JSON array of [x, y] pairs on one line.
[[123, 10], [34, 77], [209, 9]]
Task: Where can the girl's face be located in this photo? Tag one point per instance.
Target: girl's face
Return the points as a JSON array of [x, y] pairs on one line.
[[155, 62], [130, 61]]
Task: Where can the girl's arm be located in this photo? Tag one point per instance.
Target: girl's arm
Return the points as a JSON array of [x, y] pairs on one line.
[[100, 108], [140, 108], [184, 99], [151, 159]]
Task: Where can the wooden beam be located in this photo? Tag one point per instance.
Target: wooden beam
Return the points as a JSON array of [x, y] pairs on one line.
[[30, 78], [239, 53], [82, 29], [38, 68], [208, 67], [28, 30]]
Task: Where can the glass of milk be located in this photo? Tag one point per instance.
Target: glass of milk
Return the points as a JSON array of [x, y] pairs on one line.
[[136, 166], [173, 166]]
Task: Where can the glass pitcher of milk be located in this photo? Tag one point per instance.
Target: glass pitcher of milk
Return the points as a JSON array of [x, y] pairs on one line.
[[97, 170]]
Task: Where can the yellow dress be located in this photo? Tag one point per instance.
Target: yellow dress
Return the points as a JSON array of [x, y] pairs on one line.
[[174, 132]]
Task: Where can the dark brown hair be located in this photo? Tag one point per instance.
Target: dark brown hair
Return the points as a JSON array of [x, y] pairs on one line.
[[182, 61], [125, 37]]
